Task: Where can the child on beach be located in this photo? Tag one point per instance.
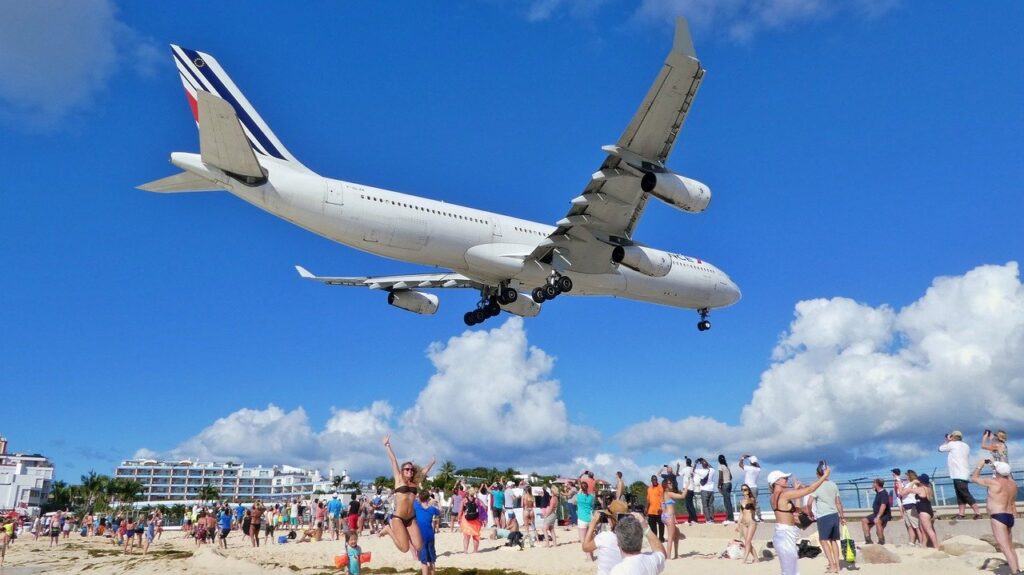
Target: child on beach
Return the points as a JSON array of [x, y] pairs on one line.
[[353, 551]]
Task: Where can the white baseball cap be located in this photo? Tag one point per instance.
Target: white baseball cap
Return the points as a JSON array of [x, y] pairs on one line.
[[753, 459], [775, 476], [1001, 468]]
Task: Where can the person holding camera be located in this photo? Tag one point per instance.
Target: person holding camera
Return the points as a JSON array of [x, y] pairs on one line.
[[957, 459], [783, 501], [629, 532], [827, 509], [1002, 506], [602, 543], [996, 443]]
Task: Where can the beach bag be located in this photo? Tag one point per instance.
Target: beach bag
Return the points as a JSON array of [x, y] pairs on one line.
[[471, 510], [807, 551], [846, 545]]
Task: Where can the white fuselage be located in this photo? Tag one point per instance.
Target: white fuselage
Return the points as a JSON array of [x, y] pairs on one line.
[[434, 233]]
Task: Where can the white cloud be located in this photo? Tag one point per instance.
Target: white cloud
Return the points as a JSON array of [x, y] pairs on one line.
[[540, 10], [58, 56], [742, 19], [490, 402], [892, 383]]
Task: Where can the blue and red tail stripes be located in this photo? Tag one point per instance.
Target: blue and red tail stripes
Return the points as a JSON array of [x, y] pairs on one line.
[[201, 71]]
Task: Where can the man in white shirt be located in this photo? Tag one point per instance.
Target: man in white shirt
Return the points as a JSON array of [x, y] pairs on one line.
[[630, 535], [602, 542], [751, 470], [957, 459], [686, 480], [705, 478]]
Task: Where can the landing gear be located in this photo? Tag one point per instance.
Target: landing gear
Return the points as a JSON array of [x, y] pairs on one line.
[[487, 308], [556, 285], [703, 324], [507, 295]]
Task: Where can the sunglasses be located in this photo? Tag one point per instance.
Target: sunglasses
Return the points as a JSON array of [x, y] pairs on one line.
[[408, 469]]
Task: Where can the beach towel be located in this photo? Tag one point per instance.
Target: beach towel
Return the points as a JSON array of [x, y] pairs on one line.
[[847, 546]]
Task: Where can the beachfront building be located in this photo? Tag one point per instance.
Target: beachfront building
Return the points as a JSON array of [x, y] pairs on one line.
[[25, 481], [168, 482]]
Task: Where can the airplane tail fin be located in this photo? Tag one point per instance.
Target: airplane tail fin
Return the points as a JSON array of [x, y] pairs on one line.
[[201, 73]]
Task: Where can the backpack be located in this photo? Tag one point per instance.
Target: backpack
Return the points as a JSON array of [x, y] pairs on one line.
[[471, 512]]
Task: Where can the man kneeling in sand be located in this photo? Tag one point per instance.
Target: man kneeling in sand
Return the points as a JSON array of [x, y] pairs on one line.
[[1002, 507]]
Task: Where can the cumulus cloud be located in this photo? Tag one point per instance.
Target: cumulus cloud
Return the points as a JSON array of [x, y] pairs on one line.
[[58, 56], [488, 384], [742, 19], [890, 382]]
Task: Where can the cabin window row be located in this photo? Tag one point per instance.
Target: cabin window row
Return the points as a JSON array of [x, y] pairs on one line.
[[422, 209]]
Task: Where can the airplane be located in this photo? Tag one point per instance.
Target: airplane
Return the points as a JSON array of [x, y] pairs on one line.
[[591, 251]]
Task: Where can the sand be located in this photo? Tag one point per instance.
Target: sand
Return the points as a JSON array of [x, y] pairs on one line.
[[175, 554]]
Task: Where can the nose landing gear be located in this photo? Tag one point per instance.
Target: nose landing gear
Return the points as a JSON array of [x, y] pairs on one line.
[[704, 324]]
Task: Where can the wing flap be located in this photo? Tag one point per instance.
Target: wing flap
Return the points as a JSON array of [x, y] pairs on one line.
[[398, 282]]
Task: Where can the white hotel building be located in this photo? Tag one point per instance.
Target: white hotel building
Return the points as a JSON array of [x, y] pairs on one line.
[[25, 481], [169, 482]]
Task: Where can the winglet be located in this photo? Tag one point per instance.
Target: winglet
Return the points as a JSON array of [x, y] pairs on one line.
[[683, 42], [304, 273]]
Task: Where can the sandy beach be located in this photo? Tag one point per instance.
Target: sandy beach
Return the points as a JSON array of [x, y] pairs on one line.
[[176, 554]]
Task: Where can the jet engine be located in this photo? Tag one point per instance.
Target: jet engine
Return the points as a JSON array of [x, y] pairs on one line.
[[414, 301], [648, 261], [677, 191]]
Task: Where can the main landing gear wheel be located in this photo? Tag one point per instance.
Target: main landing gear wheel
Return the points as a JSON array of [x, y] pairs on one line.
[[551, 291], [538, 295], [703, 324], [507, 296], [564, 284]]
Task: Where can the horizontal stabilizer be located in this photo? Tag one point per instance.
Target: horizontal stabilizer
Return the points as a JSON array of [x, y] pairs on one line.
[[222, 142], [183, 182]]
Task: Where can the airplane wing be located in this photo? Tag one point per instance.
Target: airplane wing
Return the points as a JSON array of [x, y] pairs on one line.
[[606, 213], [412, 281]]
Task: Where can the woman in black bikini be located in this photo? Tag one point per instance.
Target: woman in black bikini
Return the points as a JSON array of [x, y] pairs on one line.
[[922, 488], [403, 528], [786, 530], [747, 526]]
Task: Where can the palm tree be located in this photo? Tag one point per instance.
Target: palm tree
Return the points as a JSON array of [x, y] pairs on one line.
[[382, 481], [60, 496], [94, 487], [208, 493], [446, 475], [336, 482]]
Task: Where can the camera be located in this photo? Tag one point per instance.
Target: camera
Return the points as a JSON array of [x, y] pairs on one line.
[[988, 432], [988, 462], [896, 471]]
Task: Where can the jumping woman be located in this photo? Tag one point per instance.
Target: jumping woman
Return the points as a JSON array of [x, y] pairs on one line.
[[403, 528]]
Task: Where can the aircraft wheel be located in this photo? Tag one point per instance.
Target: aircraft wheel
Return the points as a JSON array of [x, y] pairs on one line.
[[493, 309], [550, 292], [510, 295], [479, 315], [564, 284], [704, 325], [468, 318], [538, 295]]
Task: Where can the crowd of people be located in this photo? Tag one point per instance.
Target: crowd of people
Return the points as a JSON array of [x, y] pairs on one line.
[[525, 515]]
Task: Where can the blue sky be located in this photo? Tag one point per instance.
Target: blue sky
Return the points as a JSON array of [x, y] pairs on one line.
[[864, 159]]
